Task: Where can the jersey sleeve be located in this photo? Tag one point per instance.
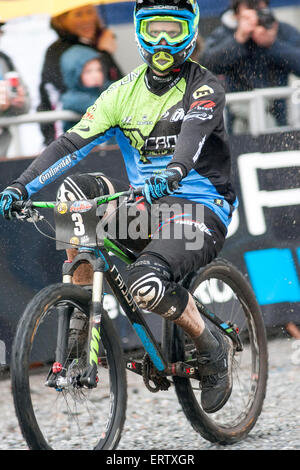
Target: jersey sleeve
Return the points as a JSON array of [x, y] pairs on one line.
[[205, 107], [95, 127]]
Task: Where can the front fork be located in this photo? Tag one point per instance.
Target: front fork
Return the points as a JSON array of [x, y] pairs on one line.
[[89, 376]]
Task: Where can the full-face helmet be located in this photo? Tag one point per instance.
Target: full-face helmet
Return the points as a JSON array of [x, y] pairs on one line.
[[166, 32]]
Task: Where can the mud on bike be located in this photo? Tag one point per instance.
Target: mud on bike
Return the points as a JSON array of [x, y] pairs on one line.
[[78, 399]]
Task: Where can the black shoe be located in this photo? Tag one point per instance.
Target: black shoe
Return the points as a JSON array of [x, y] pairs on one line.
[[78, 334], [215, 371]]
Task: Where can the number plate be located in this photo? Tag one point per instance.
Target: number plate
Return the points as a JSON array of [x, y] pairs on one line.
[[76, 224]]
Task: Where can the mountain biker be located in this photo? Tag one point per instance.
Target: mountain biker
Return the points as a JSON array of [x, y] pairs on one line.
[[167, 116]]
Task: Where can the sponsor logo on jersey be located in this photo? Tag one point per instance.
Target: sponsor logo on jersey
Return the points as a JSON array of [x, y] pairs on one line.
[[127, 120], [203, 116], [178, 115], [203, 91], [208, 104], [88, 116], [145, 122], [161, 142], [83, 129], [125, 81]]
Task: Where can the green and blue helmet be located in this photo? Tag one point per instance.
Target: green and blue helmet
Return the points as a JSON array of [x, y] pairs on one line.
[[177, 24]]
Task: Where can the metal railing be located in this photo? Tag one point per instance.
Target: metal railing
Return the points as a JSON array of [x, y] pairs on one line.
[[45, 117], [41, 118], [257, 104], [255, 100]]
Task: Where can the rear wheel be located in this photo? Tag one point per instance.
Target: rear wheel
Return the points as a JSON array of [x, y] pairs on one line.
[[226, 293], [67, 415]]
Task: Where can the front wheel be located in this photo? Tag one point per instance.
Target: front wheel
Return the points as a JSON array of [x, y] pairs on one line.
[[224, 291], [67, 415]]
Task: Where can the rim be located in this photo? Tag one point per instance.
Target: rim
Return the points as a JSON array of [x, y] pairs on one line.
[[70, 416], [219, 295]]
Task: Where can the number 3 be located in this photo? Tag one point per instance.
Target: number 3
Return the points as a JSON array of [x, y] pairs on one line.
[[79, 229]]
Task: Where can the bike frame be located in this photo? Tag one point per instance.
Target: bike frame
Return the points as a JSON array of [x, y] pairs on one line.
[[103, 267]]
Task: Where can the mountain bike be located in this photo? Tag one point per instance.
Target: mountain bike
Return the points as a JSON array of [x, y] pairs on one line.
[[77, 396]]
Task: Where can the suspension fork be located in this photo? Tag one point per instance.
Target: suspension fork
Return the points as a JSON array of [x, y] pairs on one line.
[[64, 315], [89, 377], [99, 265]]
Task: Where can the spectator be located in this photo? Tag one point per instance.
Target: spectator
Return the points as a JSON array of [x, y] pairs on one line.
[[85, 77], [79, 26], [251, 49], [14, 98]]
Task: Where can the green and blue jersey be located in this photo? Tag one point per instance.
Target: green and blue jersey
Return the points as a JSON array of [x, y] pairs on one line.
[[157, 122]]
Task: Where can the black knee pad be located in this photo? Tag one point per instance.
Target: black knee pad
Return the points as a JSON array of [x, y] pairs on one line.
[[151, 286], [82, 186]]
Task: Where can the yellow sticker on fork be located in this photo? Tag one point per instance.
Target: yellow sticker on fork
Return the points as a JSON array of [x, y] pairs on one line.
[[94, 346]]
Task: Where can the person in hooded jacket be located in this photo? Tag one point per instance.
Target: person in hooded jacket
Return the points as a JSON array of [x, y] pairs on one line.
[[79, 26], [85, 78], [252, 49]]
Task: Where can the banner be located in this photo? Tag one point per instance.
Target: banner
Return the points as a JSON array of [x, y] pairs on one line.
[[263, 241], [264, 237]]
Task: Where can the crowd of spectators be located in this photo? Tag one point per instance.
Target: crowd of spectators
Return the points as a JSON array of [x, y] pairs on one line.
[[250, 49]]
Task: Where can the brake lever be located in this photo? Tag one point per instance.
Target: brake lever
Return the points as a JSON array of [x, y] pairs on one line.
[[134, 193], [26, 212], [34, 216]]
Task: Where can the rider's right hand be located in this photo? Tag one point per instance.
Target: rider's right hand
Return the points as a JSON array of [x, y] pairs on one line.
[[7, 198]]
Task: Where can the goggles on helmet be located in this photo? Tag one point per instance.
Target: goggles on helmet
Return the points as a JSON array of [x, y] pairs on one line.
[[177, 26], [156, 28]]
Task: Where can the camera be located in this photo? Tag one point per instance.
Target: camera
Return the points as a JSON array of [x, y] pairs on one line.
[[266, 17]]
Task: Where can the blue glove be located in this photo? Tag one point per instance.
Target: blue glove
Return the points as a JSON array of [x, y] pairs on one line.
[[161, 184], [7, 198]]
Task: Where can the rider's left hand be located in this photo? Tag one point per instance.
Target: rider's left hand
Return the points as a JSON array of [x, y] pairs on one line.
[[161, 184]]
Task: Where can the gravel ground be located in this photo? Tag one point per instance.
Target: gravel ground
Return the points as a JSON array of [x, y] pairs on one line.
[[156, 422]]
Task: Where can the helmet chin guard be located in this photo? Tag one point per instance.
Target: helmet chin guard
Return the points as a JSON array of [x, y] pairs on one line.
[[164, 55]]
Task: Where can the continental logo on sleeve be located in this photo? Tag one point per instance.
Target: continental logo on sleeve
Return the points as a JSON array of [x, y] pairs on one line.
[[57, 169], [203, 91]]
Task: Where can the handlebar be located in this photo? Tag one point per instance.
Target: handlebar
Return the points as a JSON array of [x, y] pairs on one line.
[[27, 210]]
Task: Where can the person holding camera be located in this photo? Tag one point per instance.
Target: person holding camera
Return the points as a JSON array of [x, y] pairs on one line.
[[252, 49]]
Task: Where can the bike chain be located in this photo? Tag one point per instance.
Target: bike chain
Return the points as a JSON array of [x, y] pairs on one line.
[[149, 374]]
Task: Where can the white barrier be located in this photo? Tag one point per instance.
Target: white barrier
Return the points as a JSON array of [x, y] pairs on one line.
[[256, 115], [256, 101]]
